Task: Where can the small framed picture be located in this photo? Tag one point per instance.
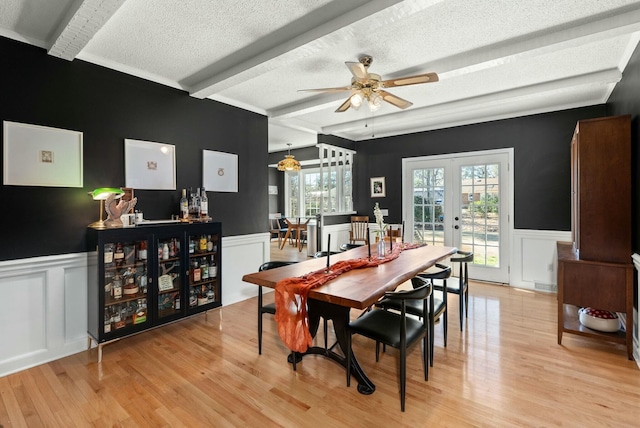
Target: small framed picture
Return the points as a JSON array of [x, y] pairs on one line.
[[378, 188]]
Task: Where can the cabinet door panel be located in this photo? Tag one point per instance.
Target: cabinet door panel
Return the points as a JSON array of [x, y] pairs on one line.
[[597, 286]]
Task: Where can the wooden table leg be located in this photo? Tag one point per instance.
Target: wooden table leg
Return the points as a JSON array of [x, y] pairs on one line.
[[286, 235]]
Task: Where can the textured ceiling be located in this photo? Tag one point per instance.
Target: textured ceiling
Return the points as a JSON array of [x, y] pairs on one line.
[[495, 59]]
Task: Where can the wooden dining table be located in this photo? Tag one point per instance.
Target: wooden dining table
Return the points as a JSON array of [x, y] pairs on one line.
[[294, 229], [358, 289]]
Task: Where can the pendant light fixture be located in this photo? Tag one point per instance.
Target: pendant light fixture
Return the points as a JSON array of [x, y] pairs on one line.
[[289, 163]]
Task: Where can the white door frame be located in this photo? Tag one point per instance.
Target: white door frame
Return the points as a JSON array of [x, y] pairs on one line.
[[408, 196]]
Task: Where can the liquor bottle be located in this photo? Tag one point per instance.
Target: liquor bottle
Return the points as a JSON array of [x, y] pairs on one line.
[[196, 273], [211, 296], [176, 303], [202, 244], [117, 287], [204, 205], [204, 267], [165, 251], [184, 205], [108, 255], [142, 281], [209, 243], [172, 248], [107, 323], [142, 250], [118, 255], [213, 269], [192, 246], [191, 202], [193, 297]]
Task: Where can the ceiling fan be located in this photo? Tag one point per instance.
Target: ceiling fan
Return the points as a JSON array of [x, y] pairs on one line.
[[368, 86]]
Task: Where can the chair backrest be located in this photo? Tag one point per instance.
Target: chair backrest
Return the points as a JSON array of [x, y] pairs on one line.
[[320, 254], [422, 290], [359, 225], [444, 272], [274, 224], [463, 257], [274, 264]]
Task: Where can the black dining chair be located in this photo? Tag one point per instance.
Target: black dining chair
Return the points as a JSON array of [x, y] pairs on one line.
[[396, 330], [436, 310], [269, 308], [459, 284], [347, 247]]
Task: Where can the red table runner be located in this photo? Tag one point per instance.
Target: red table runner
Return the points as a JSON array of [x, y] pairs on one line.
[[291, 296]]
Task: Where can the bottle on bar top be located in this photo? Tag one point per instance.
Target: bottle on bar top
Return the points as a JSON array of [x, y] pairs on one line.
[[184, 206], [204, 204]]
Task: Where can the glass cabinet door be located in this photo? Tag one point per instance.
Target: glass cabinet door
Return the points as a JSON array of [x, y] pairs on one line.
[[125, 285], [169, 277], [204, 289]]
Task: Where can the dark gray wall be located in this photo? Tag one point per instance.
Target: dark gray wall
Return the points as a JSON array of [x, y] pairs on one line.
[[625, 100], [541, 145], [108, 107]]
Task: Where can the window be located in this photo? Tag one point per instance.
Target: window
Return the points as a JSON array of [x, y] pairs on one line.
[[330, 195], [323, 190]]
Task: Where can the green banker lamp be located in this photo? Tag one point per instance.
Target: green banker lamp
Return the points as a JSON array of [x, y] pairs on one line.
[[101, 194]]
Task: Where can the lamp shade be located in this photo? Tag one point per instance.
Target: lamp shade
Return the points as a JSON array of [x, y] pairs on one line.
[[289, 163], [101, 193]]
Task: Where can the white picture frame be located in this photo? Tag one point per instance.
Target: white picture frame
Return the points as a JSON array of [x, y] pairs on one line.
[[35, 155], [149, 165], [378, 188], [219, 171]]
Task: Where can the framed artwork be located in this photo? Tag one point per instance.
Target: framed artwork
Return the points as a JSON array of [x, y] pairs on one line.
[[36, 155], [149, 166], [219, 171], [378, 188]]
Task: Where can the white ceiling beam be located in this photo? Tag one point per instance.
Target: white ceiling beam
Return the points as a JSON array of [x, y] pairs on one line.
[[81, 22], [444, 109], [330, 26], [625, 21]]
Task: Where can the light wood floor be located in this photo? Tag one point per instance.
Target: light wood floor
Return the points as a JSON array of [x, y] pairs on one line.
[[504, 370]]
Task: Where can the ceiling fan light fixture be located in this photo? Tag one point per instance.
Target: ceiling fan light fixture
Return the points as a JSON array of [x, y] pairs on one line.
[[356, 100], [289, 163], [375, 101]]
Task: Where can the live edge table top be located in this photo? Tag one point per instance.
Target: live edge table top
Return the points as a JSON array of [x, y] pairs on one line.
[[358, 288]]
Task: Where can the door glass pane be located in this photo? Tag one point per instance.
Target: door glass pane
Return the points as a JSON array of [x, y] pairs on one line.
[[428, 206], [479, 202]]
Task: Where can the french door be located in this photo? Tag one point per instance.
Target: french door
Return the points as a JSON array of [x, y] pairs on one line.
[[462, 200]]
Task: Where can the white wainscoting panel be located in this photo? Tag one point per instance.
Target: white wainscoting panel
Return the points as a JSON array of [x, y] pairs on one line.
[[241, 255], [339, 235], [534, 259], [44, 310]]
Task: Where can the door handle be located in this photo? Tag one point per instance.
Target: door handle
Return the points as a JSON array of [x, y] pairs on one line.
[[456, 218], [456, 227]]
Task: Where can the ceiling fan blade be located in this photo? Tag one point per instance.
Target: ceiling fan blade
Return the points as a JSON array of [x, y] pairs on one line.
[[358, 70], [410, 80], [344, 106], [340, 89], [396, 101]]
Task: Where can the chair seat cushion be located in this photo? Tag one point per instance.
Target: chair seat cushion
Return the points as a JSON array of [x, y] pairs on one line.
[[384, 326], [453, 284]]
